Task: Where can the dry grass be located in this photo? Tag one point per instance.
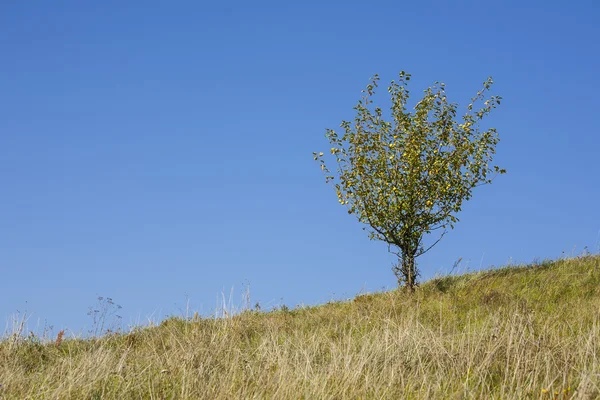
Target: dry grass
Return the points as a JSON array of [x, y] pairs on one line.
[[513, 333]]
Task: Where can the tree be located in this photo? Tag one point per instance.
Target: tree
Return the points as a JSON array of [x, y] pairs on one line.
[[408, 176]]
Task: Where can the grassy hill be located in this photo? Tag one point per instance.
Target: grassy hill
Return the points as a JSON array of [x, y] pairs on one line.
[[529, 332]]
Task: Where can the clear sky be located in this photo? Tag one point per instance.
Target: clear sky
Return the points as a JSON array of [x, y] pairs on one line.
[[160, 152]]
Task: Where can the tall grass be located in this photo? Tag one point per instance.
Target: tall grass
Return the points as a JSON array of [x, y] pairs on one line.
[[512, 333]]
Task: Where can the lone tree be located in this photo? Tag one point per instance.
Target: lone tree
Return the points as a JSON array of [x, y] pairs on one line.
[[408, 175]]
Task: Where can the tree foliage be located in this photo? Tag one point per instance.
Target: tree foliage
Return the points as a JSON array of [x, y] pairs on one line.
[[407, 175]]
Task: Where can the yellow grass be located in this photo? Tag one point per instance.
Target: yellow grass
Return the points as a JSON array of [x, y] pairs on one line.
[[513, 333]]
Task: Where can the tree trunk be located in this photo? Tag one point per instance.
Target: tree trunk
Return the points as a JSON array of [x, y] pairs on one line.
[[409, 271], [406, 271]]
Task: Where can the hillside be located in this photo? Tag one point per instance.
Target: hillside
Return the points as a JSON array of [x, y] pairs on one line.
[[530, 332]]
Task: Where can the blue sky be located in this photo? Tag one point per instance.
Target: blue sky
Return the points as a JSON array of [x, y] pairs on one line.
[[160, 152]]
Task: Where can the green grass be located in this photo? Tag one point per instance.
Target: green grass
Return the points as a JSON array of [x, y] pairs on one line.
[[530, 332]]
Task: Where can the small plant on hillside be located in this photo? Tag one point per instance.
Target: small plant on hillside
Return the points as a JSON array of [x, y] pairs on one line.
[[409, 175], [104, 316]]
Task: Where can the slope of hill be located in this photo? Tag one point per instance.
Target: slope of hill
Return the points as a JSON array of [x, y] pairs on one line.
[[510, 333]]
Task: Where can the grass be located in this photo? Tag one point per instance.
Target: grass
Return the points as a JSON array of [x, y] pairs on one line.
[[530, 332]]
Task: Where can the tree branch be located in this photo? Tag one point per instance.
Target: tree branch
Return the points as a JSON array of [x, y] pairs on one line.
[[420, 253]]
